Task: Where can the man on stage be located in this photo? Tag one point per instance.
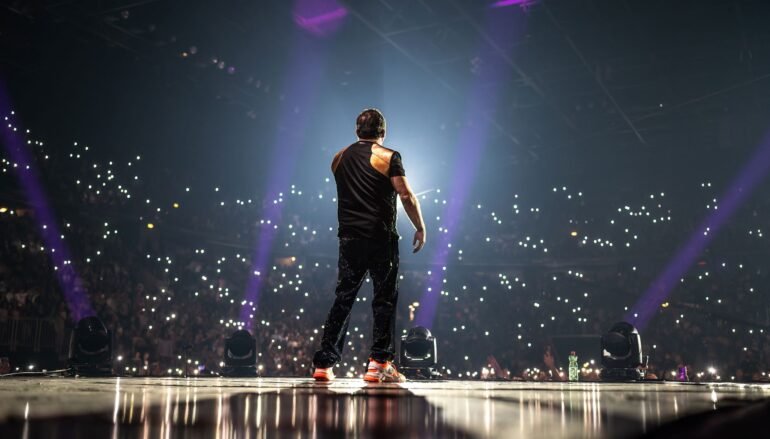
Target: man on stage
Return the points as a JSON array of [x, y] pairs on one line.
[[368, 177]]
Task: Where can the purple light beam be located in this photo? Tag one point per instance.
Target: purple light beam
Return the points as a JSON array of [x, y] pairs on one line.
[[483, 96], [472, 140], [504, 3], [319, 17], [76, 299], [742, 186], [305, 70]]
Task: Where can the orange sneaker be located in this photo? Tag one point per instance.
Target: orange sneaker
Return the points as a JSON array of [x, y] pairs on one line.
[[323, 374], [386, 372]]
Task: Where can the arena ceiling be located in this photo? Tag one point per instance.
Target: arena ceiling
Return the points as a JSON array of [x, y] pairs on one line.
[[578, 77]]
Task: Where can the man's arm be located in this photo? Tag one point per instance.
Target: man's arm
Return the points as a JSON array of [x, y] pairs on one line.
[[412, 208], [337, 159]]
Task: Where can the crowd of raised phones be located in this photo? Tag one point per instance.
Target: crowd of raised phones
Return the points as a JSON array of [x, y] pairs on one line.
[[168, 277]]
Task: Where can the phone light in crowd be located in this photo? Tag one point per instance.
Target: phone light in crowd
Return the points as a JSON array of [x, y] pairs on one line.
[[3, 209], [573, 233], [150, 225]]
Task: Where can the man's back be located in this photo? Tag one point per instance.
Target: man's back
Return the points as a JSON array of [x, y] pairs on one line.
[[366, 199], [368, 176]]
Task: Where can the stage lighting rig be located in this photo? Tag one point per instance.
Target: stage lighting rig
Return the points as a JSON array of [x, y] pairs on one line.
[[419, 355], [240, 355], [90, 352], [622, 358]]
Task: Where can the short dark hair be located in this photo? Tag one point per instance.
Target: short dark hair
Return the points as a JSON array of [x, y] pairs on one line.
[[370, 124]]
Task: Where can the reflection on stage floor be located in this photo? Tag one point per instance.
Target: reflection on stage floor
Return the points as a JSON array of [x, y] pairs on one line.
[[266, 407]]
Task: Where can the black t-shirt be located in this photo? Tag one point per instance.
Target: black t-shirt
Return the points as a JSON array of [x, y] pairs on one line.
[[366, 200]]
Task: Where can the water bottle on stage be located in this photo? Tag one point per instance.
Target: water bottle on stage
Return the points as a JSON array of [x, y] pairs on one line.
[[573, 367]]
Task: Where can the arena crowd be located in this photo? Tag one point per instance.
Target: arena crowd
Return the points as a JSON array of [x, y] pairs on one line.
[[167, 273]]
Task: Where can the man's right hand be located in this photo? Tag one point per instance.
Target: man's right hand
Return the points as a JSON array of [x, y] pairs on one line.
[[412, 208], [418, 241]]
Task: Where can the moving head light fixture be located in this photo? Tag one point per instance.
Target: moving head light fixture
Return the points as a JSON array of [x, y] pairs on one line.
[[240, 355], [622, 354], [418, 357], [90, 351]]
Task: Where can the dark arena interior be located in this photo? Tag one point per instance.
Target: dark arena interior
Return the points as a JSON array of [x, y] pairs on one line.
[[579, 250]]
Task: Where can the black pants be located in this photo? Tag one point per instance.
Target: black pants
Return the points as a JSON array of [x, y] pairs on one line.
[[358, 256]]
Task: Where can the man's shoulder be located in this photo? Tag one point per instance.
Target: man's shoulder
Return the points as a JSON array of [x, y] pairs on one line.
[[383, 151], [383, 158], [338, 157], [339, 153]]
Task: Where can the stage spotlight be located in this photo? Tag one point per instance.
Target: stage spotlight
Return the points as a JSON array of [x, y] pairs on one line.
[[419, 355], [240, 355], [90, 351], [622, 354]]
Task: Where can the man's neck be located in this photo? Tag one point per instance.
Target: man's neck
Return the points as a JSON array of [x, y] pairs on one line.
[[378, 140]]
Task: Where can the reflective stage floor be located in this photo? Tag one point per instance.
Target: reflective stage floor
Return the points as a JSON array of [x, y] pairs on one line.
[[282, 407]]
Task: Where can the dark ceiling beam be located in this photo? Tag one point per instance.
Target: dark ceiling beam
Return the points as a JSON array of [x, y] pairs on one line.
[[526, 77], [598, 80], [74, 22], [421, 27], [399, 48], [17, 11], [705, 97], [123, 6], [425, 5]]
